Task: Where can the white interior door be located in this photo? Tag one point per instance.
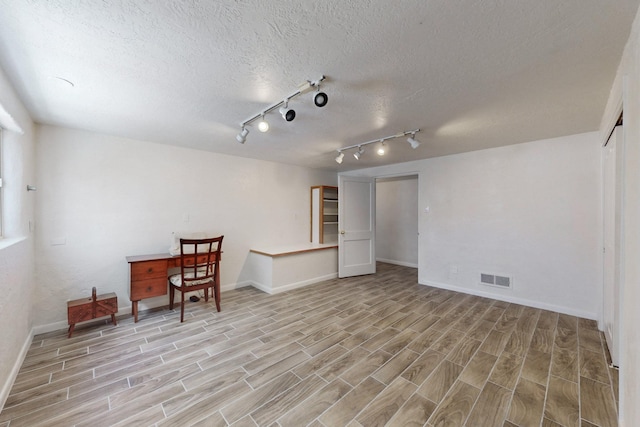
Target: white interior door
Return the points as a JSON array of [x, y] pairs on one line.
[[356, 225], [612, 208]]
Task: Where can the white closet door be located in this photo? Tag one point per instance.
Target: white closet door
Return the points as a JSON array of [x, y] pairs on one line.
[[612, 208], [356, 225]]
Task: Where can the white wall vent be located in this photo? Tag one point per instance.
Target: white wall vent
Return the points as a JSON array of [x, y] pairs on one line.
[[495, 280]]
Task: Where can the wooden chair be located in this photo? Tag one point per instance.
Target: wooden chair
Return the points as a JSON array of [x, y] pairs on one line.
[[199, 270]]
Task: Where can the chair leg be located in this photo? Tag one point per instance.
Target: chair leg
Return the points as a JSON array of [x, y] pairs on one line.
[[216, 293], [181, 306], [171, 296]]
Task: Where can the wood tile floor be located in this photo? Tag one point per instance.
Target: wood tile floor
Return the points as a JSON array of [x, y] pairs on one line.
[[365, 351]]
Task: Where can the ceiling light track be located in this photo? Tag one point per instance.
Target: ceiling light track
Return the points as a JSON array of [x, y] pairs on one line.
[[320, 99], [381, 150]]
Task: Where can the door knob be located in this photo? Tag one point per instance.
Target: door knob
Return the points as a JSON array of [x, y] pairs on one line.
[[341, 231]]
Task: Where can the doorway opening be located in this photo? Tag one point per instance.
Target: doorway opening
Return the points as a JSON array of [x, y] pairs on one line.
[[397, 220]]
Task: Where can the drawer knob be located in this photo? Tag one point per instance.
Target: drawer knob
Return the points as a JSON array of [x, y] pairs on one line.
[[149, 270]]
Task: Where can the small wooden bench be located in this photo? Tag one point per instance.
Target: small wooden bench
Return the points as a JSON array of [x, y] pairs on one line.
[[83, 309]]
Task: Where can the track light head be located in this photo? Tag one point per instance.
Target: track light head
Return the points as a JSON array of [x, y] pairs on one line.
[[263, 126], [414, 142], [320, 99], [242, 136], [287, 113], [358, 153], [381, 149], [340, 157]]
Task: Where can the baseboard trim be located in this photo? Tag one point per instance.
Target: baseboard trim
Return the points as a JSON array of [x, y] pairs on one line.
[[291, 286], [6, 388], [125, 310], [401, 263], [515, 300]]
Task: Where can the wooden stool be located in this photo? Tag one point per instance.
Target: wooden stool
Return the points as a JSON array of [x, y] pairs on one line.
[[83, 309]]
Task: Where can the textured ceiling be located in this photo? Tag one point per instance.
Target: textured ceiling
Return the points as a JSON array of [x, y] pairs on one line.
[[471, 75]]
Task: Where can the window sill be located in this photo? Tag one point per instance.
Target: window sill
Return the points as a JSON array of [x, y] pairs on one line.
[[8, 242]]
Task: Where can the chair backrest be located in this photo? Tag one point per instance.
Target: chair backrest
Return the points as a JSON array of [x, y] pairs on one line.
[[199, 259]]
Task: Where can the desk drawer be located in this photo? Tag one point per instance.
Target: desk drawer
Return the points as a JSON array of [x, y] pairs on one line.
[[148, 270], [148, 288], [189, 260]]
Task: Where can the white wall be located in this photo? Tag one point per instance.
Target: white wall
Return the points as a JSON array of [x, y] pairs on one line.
[[106, 198], [625, 93], [17, 265], [397, 220], [531, 211]]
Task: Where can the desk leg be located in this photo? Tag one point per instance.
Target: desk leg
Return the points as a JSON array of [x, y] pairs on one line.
[[134, 311]]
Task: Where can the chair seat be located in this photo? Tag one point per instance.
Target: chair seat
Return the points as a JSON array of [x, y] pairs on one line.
[[176, 280]]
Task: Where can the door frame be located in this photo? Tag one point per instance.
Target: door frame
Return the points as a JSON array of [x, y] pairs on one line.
[[375, 176]]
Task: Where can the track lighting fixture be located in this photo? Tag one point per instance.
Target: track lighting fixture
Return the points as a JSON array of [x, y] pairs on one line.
[[242, 136], [287, 113], [382, 148], [263, 126], [320, 99], [412, 140]]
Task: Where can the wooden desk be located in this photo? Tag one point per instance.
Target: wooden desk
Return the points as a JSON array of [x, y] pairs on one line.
[[149, 277]]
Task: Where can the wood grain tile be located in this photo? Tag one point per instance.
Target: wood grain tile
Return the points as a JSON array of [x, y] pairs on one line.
[[422, 367], [366, 367], [395, 366], [264, 376], [440, 381], [590, 339], [448, 341], [415, 412], [518, 343], [542, 340], [507, 370], [546, 422], [564, 364], [258, 397], [332, 370], [527, 404], [319, 361], [348, 407], [387, 403], [311, 356], [563, 403], [425, 340], [316, 404], [380, 339], [287, 400], [547, 320], [481, 330], [566, 339], [495, 342], [491, 408], [456, 406], [400, 341], [568, 322], [593, 365], [464, 351], [596, 403], [536, 366], [477, 370]]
